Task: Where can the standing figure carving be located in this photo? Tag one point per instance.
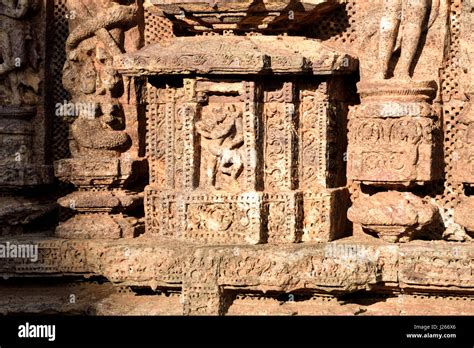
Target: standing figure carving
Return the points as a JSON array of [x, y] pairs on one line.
[[15, 49], [407, 19]]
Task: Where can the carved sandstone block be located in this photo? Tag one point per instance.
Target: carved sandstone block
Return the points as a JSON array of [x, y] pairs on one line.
[[211, 218], [394, 134], [325, 215], [464, 152], [464, 214], [393, 216]]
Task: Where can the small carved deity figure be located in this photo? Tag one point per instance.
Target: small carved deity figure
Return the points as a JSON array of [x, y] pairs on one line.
[[222, 127], [410, 18], [14, 37]]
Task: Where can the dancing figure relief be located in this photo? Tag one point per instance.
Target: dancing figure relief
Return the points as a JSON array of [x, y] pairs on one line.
[[222, 128]]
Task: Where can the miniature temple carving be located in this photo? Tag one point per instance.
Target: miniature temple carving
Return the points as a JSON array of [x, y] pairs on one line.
[[223, 151]]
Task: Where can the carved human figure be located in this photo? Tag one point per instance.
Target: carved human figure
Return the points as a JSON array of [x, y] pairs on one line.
[[223, 129], [411, 16], [14, 35]]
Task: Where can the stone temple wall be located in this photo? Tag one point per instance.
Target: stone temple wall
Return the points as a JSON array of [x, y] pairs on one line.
[[254, 157]]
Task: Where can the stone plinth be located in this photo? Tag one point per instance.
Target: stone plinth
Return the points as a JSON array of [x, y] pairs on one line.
[[394, 135]]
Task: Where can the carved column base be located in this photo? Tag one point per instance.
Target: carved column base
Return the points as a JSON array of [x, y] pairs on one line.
[[103, 214], [203, 217], [394, 216], [100, 215], [102, 172], [98, 226], [394, 134]]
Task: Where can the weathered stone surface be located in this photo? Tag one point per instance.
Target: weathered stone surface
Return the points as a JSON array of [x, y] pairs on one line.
[[102, 226], [213, 149], [464, 214], [236, 54], [393, 216], [207, 275], [243, 15], [110, 202], [18, 212]]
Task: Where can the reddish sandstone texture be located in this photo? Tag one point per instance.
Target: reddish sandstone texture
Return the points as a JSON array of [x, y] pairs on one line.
[[239, 157]]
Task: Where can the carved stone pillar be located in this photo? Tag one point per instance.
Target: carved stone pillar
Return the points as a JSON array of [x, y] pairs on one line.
[[23, 121], [395, 138], [105, 142], [394, 143]]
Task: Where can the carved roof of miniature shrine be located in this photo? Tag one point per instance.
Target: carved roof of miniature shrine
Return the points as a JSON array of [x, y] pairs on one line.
[[236, 55], [203, 15]]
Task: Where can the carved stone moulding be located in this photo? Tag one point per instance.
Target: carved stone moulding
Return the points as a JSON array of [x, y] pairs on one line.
[[464, 215], [98, 226], [22, 176], [394, 216], [104, 172], [214, 218], [393, 150], [202, 15], [235, 55], [100, 214], [247, 218], [396, 89], [101, 202]]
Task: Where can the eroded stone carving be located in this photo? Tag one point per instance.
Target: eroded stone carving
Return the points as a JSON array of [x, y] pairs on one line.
[[241, 110], [222, 138], [22, 115], [20, 83], [464, 216], [102, 134], [393, 216], [405, 19]]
